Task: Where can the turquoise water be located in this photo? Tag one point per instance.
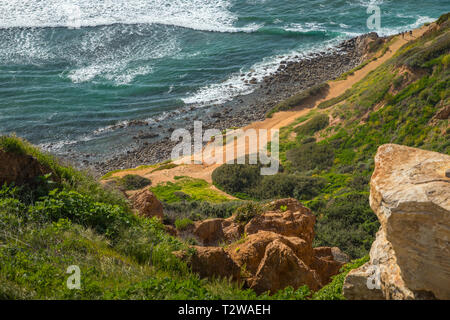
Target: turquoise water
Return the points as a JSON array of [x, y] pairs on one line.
[[70, 71]]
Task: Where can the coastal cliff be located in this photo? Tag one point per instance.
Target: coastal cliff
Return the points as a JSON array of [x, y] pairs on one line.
[[363, 186]]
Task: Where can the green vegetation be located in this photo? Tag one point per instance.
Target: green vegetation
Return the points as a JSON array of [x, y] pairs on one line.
[[317, 123], [195, 189], [120, 255], [390, 105], [306, 96], [199, 210], [248, 211], [133, 182], [183, 224], [244, 181], [333, 290], [310, 156], [165, 166]]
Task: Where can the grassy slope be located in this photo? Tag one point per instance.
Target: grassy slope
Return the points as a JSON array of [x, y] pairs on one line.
[[394, 103], [76, 221]]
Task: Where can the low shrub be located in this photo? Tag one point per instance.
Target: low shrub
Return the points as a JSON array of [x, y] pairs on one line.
[[316, 123], [310, 156], [347, 222], [103, 218], [333, 290], [183, 224], [133, 182], [285, 185], [248, 211]]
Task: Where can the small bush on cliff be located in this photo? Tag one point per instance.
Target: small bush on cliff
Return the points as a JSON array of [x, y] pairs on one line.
[[333, 290], [183, 224], [133, 182], [248, 211], [310, 156], [68, 177], [316, 123], [236, 178], [348, 222], [103, 218]]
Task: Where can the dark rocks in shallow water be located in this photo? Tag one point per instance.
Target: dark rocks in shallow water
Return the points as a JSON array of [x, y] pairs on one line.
[[292, 77]]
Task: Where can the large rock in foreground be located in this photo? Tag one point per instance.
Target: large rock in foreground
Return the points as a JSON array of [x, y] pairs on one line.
[[274, 250], [410, 194]]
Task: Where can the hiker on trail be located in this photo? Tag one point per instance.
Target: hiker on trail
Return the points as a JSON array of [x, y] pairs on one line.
[[410, 33]]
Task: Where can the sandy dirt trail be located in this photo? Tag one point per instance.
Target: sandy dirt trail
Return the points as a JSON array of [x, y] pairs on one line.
[[278, 120]]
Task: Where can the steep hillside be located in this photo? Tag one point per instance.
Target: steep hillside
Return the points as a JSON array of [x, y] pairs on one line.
[[327, 155]]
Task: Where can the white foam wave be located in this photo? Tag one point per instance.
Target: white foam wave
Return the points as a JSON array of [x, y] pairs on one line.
[[206, 15], [239, 83], [421, 20], [306, 27]]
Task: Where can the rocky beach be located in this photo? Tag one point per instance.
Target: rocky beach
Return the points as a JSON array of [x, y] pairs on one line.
[[153, 143]]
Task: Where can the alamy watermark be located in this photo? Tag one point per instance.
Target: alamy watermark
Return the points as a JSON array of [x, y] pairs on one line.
[[374, 20], [229, 146], [74, 280], [374, 278]]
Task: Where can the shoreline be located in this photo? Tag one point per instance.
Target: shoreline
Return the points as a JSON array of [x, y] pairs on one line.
[[290, 78]]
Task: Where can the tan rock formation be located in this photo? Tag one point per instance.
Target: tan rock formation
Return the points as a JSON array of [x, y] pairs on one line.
[[146, 203], [410, 194], [209, 232], [280, 267], [295, 221], [217, 231], [274, 252], [327, 261], [211, 262]]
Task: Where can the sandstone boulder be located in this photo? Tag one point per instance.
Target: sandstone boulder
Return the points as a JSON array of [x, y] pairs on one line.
[[327, 261], [356, 288], [410, 195], [209, 232], [211, 262], [147, 205], [280, 267], [286, 217], [274, 252]]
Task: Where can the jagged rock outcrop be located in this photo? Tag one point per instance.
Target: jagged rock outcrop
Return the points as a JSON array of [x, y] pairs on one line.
[[20, 169], [281, 267], [327, 262], [146, 203], [211, 262], [410, 257], [295, 221], [273, 251], [212, 232]]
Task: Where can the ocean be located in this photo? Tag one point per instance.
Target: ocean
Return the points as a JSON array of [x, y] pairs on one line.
[[76, 75]]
